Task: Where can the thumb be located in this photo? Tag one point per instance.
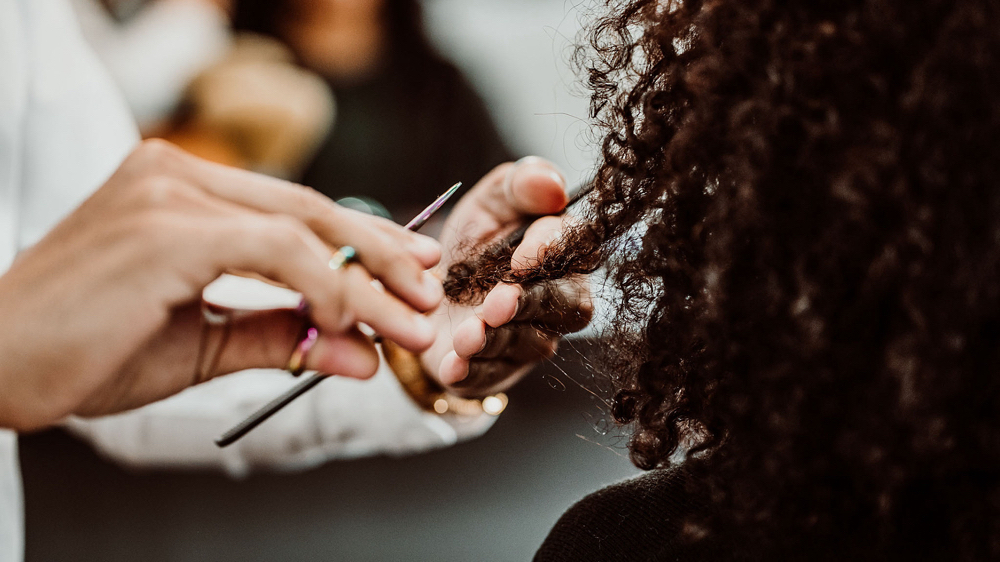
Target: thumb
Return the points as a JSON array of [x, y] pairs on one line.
[[535, 186], [532, 186]]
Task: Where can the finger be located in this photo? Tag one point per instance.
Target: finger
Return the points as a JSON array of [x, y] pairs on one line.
[[510, 192], [485, 377], [537, 239], [452, 369], [268, 338], [518, 343], [530, 186], [561, 306], [389, 252], [351, 355], [399, 261], [426, 249], [469, 337], [280, 248], [501, 304], [386, 314], [485, 360], [256, 339], [535, 186]]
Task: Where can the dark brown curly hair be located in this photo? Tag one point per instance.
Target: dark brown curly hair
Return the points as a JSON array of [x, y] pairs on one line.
[[800, 204]]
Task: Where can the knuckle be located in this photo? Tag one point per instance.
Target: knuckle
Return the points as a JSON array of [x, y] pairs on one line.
[[156, 153], [335, 304], [396, 259], [356, 276], [383, 257], [255, 234], [500, 171], [314, 205]]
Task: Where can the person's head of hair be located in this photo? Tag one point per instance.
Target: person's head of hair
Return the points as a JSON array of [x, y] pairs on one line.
[[799, 202]]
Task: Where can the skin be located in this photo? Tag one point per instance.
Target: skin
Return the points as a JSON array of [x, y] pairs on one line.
[[342, 39], [488, 348], [103, 315]]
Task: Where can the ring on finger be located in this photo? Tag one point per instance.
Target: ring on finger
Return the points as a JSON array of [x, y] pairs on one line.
[[297, 362], [343, 256], [212, 316]]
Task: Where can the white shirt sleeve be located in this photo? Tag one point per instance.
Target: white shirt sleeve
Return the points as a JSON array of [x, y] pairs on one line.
[[339, 419], [63, 130]]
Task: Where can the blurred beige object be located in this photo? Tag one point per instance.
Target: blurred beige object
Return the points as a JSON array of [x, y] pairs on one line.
[[269, 114]]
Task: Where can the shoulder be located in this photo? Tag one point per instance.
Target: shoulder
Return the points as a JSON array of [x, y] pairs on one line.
[[639, 519]]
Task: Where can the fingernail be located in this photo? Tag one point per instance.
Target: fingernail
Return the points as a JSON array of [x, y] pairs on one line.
[[458, 376], [513, 315], [557, 177], [517, 302]]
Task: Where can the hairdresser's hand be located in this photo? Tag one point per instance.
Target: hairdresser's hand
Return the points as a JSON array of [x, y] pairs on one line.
[[485, 349], [103, 315]]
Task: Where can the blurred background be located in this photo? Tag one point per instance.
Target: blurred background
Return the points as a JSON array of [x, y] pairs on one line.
[[380, 104], [490, 499]]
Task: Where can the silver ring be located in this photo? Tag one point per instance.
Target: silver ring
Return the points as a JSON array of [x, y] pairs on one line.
[[215, 316]]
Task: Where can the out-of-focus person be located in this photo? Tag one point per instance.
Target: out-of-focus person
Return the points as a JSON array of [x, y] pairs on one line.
[[407, 120]]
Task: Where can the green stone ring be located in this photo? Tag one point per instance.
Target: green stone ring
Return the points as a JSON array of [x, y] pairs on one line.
[[342, 257]]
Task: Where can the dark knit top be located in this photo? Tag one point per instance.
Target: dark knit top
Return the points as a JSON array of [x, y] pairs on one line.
[[647, 519], [637, 520]]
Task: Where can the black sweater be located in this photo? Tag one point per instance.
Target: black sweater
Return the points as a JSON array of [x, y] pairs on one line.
[[643, 520], [636, 520]]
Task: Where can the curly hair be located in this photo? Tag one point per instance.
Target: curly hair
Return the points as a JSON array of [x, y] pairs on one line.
[[815, 187]]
